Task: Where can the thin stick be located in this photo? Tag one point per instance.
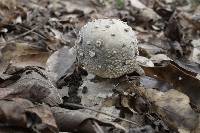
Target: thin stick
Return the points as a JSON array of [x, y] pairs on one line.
[[21, 35], [35, 32], [82, 106]]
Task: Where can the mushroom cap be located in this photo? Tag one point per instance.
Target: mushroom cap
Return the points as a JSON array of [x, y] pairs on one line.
[[107, 48]]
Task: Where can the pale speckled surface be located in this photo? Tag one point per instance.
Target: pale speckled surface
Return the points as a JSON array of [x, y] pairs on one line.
[[108, 48]]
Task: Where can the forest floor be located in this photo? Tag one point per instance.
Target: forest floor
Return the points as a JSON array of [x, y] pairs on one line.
[[43, 88]]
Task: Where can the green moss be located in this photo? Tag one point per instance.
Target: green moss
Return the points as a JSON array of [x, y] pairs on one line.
[[120, 4]]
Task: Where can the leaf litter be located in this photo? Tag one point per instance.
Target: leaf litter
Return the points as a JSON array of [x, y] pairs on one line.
[[44, 89]]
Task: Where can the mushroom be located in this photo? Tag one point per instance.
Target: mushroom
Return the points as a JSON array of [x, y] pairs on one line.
[[108, 48]]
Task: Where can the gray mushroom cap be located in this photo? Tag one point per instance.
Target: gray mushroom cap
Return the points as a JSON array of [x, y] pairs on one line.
[[108, 48]]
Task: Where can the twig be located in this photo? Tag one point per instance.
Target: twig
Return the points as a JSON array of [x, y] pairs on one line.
[[82, 106], [21, 35], [35, 32]]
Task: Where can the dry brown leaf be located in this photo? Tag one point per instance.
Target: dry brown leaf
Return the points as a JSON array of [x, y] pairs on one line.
[[11, 50], [153, 83], [137, 4], [173, 28], [68, 120], [61, 63], [12, 113], [32, 85], [9, 12], [20, 55], [78, 121], [72, 5], [30, 60], [11, 4], [173, 107], [145, 14], [182, 79], [48, 123], [193, 19], [21, 114]]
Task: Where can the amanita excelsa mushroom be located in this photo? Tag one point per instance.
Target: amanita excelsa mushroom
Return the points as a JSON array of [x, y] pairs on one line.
[[108, 48]]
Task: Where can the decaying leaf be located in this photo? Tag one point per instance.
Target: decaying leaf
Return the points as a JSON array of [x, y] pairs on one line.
[[46, 120], [173, 28], [196, 51], [21, 115], [72, 6], [158, 58], [182, 79], [10, 11], [192, 19], [143, 61], [144, 14], [14, 114], [77, 121], [32, 85], [173, 107], [12, 50], [153, 83], [20, 55], [137, 4], [61, 63]]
